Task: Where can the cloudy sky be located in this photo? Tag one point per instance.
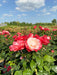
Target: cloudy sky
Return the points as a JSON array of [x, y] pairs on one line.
[[30, 11]]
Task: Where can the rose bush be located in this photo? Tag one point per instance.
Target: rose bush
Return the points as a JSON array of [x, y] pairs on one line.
[[32, 54]]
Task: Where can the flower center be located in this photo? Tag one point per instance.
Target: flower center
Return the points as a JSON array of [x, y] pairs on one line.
[[33, 43]]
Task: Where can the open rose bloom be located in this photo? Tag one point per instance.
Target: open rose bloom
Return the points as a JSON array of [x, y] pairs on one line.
[[29, 42], [33, 44], [17, 45]]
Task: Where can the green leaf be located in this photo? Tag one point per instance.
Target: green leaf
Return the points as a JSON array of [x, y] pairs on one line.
[[34, 56], [46, 68], [39, 61], [54, 68], [40, 68], [24, 64], [18, 73], [1, 68], [33, 65], [27, 72], [48, 58], [39, 73], [43, 73]]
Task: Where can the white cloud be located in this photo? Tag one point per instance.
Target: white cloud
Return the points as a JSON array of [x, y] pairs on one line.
[[48, 13], [7, 15], [54, 8], [28, 5], [0, 5], [4, 1]]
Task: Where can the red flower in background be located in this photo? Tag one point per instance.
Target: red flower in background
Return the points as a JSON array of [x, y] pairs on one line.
[[54, 29], [14, 36], [46, 29], [52, 51], [5, 32], [49, 37], [21, 58], [42, 28], [7, 69], [6, 39], [19, 33], [45, 39], [35, 27], [54, 35], [5, 35]]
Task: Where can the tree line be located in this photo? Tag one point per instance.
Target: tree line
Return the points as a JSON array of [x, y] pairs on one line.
[[17, 23]]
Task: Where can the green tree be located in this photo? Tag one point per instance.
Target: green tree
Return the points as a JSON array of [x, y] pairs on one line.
[[17, 22], [54, 21]]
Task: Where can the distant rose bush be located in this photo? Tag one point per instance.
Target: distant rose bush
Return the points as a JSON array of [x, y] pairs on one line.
[[35, 27], [54, 29], [5, 32], [42, 28]]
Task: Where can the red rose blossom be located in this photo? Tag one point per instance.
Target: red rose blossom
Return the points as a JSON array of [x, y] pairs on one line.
[[19, 33], [5, 35], [35, 27], [52, 51], [17, 45], [45, 39], [33, 44], [14, 36], [8, 68], [30, 42], [21, 58], [42, 28], [54, 29], [46, 29], [5, 32], [6, 39]]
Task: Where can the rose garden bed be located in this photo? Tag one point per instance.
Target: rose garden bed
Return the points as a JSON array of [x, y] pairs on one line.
[[31, 54]]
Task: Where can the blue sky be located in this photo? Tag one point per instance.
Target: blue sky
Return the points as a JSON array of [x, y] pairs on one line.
[[31, 11]]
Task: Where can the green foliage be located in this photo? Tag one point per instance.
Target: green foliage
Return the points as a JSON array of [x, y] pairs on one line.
[[54, 68], [48, 58], [33, 63], [18, 73], [27, 72]]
